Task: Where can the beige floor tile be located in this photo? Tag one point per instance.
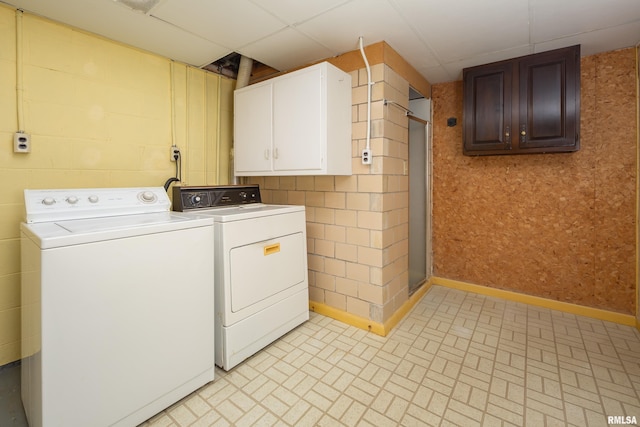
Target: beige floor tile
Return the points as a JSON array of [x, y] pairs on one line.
[[457, 359]]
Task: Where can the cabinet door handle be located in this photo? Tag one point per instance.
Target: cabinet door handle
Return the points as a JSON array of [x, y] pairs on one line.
[[266, 154], [507, 137], [275, 153], [523, 133]]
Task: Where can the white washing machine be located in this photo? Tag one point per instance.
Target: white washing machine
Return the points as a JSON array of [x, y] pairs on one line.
[[261, 278], [116, 306]]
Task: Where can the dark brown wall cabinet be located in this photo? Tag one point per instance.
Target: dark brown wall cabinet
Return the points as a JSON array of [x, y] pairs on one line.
[[524, 105]]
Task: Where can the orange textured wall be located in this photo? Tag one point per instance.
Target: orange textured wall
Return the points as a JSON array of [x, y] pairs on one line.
[[558, 226]]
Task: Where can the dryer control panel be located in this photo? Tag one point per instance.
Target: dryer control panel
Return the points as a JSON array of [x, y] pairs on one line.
[[190, 198]]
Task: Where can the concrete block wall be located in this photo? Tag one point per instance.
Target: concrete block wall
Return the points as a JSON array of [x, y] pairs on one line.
[[357, 226]]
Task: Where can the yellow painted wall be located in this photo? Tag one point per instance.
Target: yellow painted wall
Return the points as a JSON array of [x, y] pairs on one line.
[[99, 114]]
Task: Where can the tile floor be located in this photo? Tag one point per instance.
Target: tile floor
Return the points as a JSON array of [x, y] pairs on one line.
[[458, 359]]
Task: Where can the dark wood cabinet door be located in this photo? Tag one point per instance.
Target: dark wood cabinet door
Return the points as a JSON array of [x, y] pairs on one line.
[[487, 108], [549, 101], [529, 104]]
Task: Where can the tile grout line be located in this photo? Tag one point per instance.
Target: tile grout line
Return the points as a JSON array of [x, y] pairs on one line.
[[457, 379], [495, 355], [560, 382], [589, 358], [624, 365], [428, 365], [526, 367], [448, 293], [391, 337]]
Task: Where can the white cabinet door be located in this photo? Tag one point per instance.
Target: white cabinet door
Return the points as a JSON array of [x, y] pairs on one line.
[[255, 129], [298, 110], [295, 124]]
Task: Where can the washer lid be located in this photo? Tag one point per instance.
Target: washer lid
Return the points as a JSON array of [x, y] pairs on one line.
[[81, 231]]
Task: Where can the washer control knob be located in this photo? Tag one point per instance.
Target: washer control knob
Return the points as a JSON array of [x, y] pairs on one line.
[[195, 199], [147, 196], [72, 200], [93, 199], [48, 201], [242, 195]]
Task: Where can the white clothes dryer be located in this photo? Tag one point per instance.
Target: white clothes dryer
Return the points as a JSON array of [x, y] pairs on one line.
[[261, 277], [116, 319]]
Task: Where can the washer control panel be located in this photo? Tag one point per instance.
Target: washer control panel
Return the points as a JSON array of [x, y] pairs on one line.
[[190, 198], [55, 205]]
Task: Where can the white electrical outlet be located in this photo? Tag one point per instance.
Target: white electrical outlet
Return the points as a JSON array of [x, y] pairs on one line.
[[175, 153], [21, 142], [366, 157]]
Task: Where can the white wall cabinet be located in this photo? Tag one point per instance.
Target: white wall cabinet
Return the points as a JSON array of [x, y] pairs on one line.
[[295, 124]]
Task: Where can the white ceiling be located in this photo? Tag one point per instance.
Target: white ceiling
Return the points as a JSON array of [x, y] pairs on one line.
[[438, 38]]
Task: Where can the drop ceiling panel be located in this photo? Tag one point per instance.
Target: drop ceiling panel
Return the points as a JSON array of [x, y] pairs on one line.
[[295, 11], [117, 22], [454, 69], [415, 51], [229, 23], [552, 19], [285, 50], [340, 28], [465, 28], [437, 74], [597, 41]]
